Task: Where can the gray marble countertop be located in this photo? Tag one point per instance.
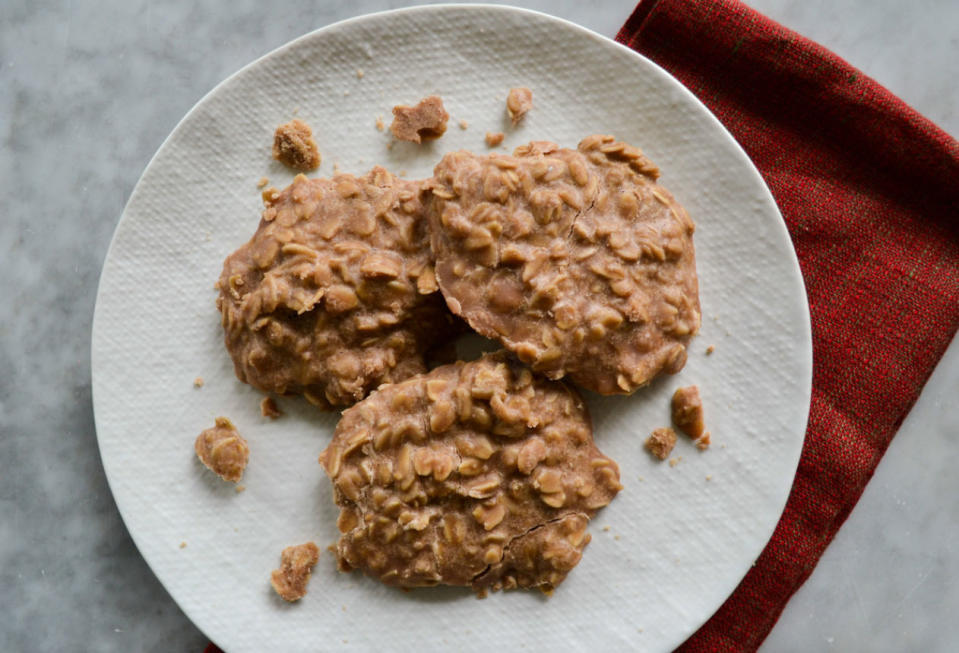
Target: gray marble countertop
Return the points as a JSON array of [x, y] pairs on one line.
[[88, 91]]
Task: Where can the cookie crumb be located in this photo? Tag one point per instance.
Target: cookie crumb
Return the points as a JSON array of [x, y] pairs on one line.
[[262, 182], [463, 124], [240, 488], [605, 529], [223, 450], [494, 138], [359, 73], [198, 382], [296, 565], [518, 103], [424, 121], [709, 477], [268, 408], [710, 349], [402, 173], [660, 443], [345, 93], [673, 462], [616, 537], [702, 443], [336, 168], [182, 545], [380, 125], [687, 411], [293, 145]]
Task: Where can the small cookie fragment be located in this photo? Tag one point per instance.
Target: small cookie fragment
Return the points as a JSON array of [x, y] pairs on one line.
[[710, 349], [268, 408], [296, 565], [518, 103], [702, 443], [687, 409], [479, 474], [660, 443], [494, 138], [223, 450], [198, 382], [425, 121], [262, 182], [293, 145]]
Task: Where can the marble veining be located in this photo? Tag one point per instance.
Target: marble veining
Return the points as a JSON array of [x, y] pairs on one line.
[[88, 92]]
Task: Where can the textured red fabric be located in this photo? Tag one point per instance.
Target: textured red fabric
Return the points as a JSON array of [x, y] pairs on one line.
[[869, 190]]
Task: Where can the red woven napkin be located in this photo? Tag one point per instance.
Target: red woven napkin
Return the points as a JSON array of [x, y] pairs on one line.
[[869, 190]]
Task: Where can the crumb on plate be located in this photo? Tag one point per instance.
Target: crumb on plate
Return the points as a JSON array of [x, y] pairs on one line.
[[660, 442], [518, 103], [223, 450], [494, 138], [296, 565], [293, 145], [268, 408], [424, 121]]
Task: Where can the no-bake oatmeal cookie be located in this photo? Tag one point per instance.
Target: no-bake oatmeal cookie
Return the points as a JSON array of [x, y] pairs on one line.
[[480, 474], [578, 261], [335, 293]]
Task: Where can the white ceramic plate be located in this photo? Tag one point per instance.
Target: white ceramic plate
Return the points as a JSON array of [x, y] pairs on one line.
[[680, 538]]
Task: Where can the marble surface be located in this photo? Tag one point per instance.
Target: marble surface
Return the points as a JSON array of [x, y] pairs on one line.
[[88, 91]]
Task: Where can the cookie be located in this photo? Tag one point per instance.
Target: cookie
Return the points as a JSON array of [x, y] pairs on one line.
[[479, 474], [335, 293], [575, 260]]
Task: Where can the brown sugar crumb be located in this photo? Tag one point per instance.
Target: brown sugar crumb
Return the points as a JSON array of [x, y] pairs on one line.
[[296, 565], [262, 182], [688, 411], [518, 103], [223, 450], [710, 349], [661, 442], [703, 443], [494, 138], [182, 545], [268, 408], [380, 125], [463, 124], [427, 120], [293, 145], [198, 382]]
